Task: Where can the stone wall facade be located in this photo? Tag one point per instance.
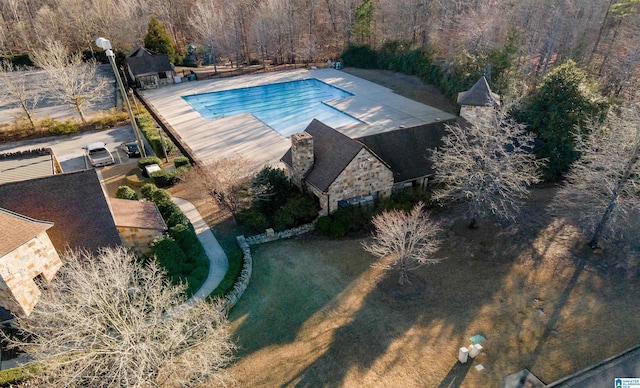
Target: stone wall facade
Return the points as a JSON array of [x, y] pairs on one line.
[[480, 115], [19, 293], [364, 175], [138, 238]]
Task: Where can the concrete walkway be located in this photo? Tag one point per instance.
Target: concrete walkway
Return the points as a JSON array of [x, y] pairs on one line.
[[218, 261]]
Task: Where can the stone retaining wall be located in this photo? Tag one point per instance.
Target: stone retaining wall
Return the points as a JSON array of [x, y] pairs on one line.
[[233, 296], [270, 235]]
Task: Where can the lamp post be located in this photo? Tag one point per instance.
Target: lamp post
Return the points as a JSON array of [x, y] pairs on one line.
[[106, 46]]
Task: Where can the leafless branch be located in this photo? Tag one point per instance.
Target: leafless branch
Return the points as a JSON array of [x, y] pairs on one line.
[[107, 321], [404, 240], [488, 167], [602, 190]]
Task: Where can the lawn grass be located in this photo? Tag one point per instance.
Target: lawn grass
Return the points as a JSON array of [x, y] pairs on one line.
[[316, 314]]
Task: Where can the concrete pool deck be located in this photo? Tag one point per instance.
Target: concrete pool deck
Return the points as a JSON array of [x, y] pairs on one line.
[[378, 107]]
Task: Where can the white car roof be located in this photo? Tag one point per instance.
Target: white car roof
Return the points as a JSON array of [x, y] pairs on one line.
[[96, 145]]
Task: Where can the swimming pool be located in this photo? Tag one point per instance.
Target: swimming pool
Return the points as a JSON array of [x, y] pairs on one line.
[[287, 107]]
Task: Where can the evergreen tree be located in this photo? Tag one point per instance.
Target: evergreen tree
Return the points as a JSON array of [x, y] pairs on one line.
[[158, 39], [564, 104]]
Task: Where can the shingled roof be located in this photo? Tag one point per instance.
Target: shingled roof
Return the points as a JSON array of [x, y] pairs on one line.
[[137, 214], [18, 229], [480, 94], [142, 61], [23, 165], [406, 150], [74, 202], [332, 152]]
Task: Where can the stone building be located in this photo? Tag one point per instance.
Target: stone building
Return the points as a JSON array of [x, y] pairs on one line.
[[27, 257], [335, 168], [138, 222], [148, 69], [478, 103]]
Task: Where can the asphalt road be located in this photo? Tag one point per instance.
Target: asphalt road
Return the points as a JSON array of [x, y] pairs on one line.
[[69, 149]]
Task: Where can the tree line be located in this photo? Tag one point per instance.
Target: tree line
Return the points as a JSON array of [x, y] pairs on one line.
[[597, 34]]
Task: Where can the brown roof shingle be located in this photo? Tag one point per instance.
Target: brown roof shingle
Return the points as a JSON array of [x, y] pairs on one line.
[[18, 229], [137, 214], [480, 94], [143, 61], [406, 150], [332, 152], [74, 202]]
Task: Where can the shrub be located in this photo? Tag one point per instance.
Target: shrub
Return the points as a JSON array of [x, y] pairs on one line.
[[167, 209], [169, 255], [161, 196], [200, 273], [283, 221], [164, 178], [148, 190], [252, 220], [187, 240], [272, 189], [181, 161], [178, 218], [126, 192], [54, 127], [149, 160], [148, 127], [109, 119], [352, 221]]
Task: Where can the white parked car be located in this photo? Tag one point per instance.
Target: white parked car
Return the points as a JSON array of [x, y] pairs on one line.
[[98, 154]]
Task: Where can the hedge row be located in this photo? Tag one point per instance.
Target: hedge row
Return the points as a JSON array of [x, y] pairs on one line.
[[165, 178], [180, 251], [451, 76], [148, 127]]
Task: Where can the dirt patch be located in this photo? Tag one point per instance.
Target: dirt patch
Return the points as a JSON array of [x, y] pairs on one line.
[[409, 86]]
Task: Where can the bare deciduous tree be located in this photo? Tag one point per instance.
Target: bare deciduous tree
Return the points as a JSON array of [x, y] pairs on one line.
[[73, 81], [18, 91], [108, 320], [223, 179], [404, 241], [487, 166], [602, 190]]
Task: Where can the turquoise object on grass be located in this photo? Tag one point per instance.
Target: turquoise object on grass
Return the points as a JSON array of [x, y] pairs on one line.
[[476, 339]]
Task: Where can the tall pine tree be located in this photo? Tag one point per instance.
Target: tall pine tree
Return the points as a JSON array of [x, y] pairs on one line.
[[157, 39]]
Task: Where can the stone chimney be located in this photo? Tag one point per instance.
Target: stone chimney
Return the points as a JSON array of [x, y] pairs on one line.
[[301, 156]]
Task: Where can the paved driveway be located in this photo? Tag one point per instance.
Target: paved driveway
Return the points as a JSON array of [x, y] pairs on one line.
[[69, 149]]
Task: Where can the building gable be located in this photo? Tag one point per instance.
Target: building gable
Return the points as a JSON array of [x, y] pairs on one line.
[[74, 202]]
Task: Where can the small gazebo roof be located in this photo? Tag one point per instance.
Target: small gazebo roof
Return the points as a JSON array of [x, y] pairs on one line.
[[480, 94]]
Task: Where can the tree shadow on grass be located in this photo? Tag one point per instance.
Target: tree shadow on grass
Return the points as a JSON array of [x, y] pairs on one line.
[[278, 303], [456, 375]]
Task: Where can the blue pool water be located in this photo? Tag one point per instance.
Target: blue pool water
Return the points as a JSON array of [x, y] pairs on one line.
[[287, 107]]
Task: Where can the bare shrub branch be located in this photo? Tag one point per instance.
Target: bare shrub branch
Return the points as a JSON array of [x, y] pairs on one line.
[[110, 321], [488, 167], [223, 180], [18, 91], [601, 194], [404, 240], [73, 81]]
